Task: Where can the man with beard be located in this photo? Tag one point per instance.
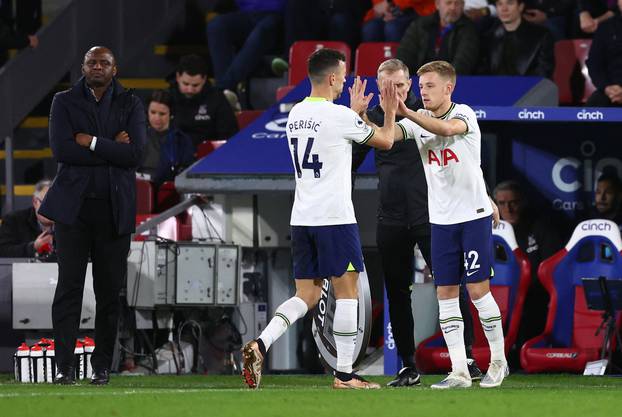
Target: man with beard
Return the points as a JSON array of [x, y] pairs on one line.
[[97, 134], [201, 111]]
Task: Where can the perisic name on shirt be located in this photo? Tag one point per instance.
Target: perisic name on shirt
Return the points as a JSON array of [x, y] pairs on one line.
[[306, 124]]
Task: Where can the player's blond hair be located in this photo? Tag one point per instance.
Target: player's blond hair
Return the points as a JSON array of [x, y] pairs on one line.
[[393, 65], [442, 68]]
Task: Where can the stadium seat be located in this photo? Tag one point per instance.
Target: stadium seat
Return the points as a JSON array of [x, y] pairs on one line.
[[246, 117], [569, 340], [144, 196], [208, 146], [167, 196], [571, 75], [369, 55], [508, 286], [300, 51]]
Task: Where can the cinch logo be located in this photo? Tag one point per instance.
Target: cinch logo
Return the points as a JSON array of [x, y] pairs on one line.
[[443, 159], [531, 115], [480, 114], [600, 226], [589, 115], [390, 342]]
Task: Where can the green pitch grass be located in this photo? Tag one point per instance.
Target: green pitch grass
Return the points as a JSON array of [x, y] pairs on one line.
[[294, 396]]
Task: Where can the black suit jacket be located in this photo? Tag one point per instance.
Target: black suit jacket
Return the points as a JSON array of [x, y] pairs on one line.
[[18, 232], [72, 112]]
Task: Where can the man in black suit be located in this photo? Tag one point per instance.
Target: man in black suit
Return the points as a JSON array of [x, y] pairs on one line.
[[97, 134], [25, 233]]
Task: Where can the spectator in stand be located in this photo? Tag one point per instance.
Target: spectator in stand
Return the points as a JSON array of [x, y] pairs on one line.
[[539, 239], [604, 63], [554, 14], [25, 233], [238, 40], [20, 32], [593, 12], [608, 198], [481, 12], [387, 20], [201, 111], [446, 35], [168, 150], [515, 46]]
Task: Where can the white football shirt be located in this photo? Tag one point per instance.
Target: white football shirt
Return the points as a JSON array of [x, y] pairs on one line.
[[320, 135], [456, 187]]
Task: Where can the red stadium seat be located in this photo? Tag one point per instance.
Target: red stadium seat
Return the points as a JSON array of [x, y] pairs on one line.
[[369, 55], [144, 196], [509, 287], [208, 146], [246, 117], [300, 51], [167, 196], [571, 75], [569, 340]]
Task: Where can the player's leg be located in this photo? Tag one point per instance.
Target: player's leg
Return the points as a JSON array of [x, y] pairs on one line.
[[308, 288], [340, 257], [447, 262], [478, 247]]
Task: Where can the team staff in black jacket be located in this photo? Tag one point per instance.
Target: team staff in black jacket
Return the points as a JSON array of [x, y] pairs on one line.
[[97, 135], [403, 222], [201, 111]]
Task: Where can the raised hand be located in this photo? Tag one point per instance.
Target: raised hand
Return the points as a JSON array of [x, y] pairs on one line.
[[388, 97], [358, 100]]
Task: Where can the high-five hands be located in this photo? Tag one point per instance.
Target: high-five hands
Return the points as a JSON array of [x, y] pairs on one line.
[[388, 97], [358, 100]]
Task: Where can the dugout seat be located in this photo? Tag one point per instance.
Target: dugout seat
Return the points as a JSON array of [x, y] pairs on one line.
[[569, 340], [299, 53], [246, 117], [208, 146], [509, 286], [144, 196], [369, 55], [571, 74]]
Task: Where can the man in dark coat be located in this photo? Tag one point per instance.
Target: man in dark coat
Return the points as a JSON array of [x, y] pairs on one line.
[[97, 135], [25, 233], [446, 35]]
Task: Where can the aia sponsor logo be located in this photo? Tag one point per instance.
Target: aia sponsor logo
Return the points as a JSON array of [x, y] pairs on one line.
[[443, 158]]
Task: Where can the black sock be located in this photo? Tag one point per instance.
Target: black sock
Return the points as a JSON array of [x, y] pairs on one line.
[[408, 362], [342, 376], [262, 347], [469, 351]]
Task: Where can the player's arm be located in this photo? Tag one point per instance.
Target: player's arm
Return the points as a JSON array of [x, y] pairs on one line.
[[383, 137], [433, 125]]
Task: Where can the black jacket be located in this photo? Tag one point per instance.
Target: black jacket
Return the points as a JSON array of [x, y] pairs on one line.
[[531, 48], [206, 116], [605, 59], [72, 112], [401, 179], [460, 46], [18, 233]]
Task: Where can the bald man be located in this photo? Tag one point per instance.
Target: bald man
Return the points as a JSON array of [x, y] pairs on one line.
[[97, 134]]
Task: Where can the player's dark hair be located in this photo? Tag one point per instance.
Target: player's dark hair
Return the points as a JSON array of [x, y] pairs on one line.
[[322, 62], [162, 97], [192, 65]]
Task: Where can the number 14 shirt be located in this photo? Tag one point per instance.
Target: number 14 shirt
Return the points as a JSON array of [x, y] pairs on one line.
[[320, 135]]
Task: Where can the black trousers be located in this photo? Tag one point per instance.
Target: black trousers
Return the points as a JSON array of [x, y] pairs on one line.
[[396, 246], [92, 234]]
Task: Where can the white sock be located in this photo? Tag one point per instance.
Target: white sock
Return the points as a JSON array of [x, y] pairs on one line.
[[345, 326], [285, 315], [490, 317], [452, 326]]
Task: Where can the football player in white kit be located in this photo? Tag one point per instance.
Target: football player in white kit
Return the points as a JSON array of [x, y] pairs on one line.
[[461, 215], [325, 236]]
